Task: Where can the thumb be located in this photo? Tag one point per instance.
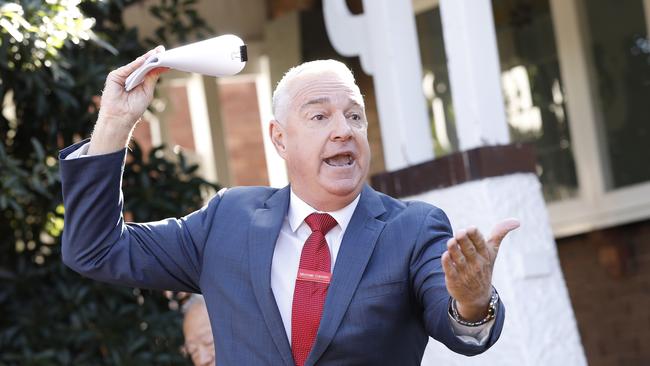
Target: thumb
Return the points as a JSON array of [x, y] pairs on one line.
[[501, 230]]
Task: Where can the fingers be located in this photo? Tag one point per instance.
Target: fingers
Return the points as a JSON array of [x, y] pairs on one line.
[[123, 72], [455, 253], [152, 77], [467, 273], [448, 265], [467, 247], [477, 239], [501, 230]]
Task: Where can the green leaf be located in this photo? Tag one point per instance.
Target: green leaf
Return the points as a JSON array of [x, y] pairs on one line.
[[50, 314]]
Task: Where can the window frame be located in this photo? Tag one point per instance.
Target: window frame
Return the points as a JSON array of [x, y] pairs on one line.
[[594, 207]]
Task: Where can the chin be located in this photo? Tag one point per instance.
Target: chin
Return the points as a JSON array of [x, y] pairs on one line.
[[343, 189]]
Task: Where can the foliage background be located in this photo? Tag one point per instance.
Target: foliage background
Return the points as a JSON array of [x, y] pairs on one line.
[[54, 57]]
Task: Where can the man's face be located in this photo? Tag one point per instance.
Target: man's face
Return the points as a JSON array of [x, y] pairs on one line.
[[324, 140], [199, 343]]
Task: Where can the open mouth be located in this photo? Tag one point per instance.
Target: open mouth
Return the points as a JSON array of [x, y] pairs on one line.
[[340, 160]]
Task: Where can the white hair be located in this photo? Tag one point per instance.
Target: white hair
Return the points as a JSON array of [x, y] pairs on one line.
[[282, 95]]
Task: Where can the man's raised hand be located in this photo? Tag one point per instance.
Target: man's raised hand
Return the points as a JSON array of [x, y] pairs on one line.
[[468, 264], [120, 110]]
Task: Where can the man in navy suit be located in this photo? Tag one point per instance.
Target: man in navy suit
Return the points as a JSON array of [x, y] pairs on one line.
[[325, 271]]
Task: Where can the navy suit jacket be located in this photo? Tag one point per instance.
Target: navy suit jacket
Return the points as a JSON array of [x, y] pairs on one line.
[[387, 294]]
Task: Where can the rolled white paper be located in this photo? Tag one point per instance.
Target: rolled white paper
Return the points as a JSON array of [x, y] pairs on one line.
[[219, 56]]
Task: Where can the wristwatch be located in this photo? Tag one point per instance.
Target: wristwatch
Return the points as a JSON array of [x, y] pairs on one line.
[[491, 313]]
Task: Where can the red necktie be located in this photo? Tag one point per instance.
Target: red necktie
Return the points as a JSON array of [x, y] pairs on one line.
[[311, 287]]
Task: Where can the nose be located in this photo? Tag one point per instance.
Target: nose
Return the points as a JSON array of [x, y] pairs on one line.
[[341, 129]]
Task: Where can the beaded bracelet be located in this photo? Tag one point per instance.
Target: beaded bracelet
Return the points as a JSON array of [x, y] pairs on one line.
[[492, 311]]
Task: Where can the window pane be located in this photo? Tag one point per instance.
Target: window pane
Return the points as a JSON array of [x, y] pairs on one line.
[[620, 52], [436, 81], [531, 84], [533, 91]]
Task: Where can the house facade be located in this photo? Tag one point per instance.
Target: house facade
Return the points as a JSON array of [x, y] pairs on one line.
[[535, 108]]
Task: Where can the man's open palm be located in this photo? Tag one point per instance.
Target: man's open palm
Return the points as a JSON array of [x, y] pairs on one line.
[[468, 264]]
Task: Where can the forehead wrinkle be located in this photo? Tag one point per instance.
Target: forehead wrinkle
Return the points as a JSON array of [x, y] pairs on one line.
[[320, 100], [350, 99], [306, 84]]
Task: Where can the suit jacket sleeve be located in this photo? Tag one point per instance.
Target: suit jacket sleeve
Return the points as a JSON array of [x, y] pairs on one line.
[[97, 243], [428, 280]]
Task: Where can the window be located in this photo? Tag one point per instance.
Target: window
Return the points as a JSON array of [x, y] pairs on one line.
[[620, 51], [435, 81], [533, 91], [576, 83], [531, 84]]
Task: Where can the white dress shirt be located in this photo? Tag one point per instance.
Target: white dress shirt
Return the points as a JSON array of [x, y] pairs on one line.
[[288, 248]]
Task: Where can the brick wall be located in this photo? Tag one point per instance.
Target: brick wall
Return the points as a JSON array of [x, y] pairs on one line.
[[179, 120], [608, 276], [241, 123]]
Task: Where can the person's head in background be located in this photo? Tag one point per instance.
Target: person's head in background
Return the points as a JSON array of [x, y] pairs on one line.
[[199, 344]]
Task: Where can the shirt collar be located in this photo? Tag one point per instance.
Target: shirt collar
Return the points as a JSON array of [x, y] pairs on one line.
[[299, 210]]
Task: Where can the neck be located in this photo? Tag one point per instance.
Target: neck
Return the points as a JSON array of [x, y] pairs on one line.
[[329, 204]]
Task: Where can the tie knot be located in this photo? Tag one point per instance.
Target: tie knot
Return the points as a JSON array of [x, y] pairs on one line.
[[320, 222]]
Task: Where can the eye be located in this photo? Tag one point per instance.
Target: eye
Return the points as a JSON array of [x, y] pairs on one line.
[[318, 117], [354, 116]]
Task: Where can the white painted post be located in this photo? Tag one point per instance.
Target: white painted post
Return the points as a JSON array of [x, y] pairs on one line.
[[474, 72], [385, 40], [275, 165], [202, 129]]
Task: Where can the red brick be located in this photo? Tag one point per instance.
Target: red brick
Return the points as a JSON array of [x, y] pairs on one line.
[[612, 308]]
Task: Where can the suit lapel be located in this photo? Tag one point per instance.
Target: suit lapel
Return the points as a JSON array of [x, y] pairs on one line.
[[264, 231], [355, 251]]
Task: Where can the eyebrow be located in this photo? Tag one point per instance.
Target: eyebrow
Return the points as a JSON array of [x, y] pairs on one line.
[[323, 100], [326, 100]]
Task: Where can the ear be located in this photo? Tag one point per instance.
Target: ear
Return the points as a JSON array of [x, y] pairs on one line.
[[276, 132]]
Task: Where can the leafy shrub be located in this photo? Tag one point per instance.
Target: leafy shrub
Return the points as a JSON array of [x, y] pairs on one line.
[[54, 57]]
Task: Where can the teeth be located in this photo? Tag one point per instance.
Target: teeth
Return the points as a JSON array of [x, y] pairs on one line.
[[339, 160]]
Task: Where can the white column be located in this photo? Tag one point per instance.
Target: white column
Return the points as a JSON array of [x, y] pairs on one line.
[[275, 165], [474, 72], [201, 127], [385, 40]]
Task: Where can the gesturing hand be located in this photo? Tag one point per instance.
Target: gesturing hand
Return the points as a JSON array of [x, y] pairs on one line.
[[120, 110], [468, 264], [129, 106]]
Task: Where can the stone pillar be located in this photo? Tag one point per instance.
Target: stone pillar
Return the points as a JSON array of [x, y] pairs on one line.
[[474, 72], [385, 40], [275, 165], [207, 126]]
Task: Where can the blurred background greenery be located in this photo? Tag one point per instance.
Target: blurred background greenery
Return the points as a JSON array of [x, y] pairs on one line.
[[54, 57]]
